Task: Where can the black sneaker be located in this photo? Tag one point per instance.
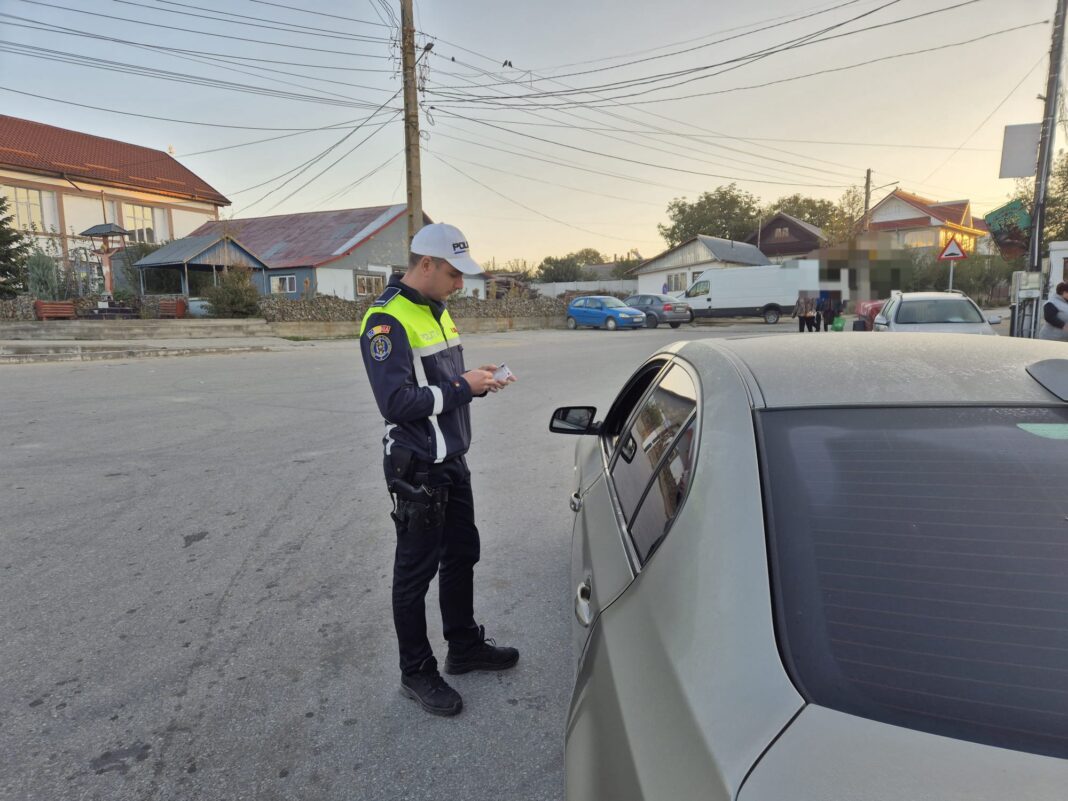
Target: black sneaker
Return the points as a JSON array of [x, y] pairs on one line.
[[430, 690], [483, 654]]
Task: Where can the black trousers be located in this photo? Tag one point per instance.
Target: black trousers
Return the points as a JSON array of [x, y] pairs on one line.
[[450, 550]]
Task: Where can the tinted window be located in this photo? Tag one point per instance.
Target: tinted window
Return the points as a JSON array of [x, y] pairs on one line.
[[657, 423], [948, 310], [664, 498], [623, 406], [920, 563]]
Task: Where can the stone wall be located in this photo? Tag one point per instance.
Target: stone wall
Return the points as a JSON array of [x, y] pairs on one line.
[[18, 308], [327, 309]]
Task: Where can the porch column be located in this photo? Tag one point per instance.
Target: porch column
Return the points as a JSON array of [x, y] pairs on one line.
[[141, 275], [214, 276], [185, 267]]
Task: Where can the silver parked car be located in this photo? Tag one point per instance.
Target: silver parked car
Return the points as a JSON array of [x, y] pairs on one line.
[[934, 313], [661, 309], [798, 579]]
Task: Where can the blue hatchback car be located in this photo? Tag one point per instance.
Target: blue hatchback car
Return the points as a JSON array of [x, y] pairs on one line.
[[603, 311]]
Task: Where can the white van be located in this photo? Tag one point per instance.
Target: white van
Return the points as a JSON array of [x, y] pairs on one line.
[[767, 291]]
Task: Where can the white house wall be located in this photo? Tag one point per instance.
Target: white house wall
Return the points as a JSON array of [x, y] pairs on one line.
[[897, 209], [185, 222]]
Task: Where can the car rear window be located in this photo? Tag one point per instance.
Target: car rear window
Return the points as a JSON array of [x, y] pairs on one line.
[[920, 566], [940, 310]]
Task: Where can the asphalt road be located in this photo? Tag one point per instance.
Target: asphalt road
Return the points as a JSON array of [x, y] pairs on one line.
[[195, 561]]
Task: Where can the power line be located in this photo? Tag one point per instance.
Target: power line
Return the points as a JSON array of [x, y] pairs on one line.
[[524, 206], [285, 26], [643, 163], [729, 64], [196, 80], [359, 180], [318, 13], [986, 119], [707, 44], [201, 33], [172, 119], [48, 27]]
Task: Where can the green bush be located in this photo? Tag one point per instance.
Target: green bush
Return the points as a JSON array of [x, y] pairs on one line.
[[235, 296], [43, 275]]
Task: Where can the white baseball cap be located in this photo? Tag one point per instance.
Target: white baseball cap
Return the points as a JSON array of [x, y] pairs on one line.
[[444, 241]]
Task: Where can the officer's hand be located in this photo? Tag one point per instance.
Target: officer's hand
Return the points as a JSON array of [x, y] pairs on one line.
[[481, 381], [493, 369]]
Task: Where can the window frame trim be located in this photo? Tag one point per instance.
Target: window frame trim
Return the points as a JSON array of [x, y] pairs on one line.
[[609, 459]]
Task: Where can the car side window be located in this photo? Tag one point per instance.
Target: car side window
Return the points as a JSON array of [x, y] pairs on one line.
[[649, 437], [595, 304], [888, 310], [580, 303], [700, 288], [664, 497], [623, 406]]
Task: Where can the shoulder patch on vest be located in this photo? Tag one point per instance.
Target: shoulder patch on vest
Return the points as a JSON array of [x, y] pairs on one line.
[[387, 296]]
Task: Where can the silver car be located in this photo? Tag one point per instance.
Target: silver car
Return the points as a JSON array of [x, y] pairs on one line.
[[795, 578], [934, 313], [661, 309]]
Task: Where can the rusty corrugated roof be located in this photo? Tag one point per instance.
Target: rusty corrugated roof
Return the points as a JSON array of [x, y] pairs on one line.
[[307, 239], [61, 152]]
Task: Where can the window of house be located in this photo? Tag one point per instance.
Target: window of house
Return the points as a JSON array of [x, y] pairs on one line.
[[138, 221], [782, 233], [28, 206], [283, 284], [649, 444], [370, 284]]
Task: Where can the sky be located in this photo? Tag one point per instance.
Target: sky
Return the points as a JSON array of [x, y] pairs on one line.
[[604, 113]]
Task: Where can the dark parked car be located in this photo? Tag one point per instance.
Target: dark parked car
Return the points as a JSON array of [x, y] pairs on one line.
[[661, 309], [602, 311]]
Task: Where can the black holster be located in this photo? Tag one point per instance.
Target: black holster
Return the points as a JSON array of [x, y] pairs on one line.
[[417, 506]]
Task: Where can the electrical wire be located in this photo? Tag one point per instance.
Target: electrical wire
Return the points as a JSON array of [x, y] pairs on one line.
[[318, 13], [202, 33], [526, 207], [986, 119], [49, 27], [359, 180]]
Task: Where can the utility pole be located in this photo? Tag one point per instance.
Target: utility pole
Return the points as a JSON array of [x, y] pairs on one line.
[[867, 195], [411, 121], [1045, 144]]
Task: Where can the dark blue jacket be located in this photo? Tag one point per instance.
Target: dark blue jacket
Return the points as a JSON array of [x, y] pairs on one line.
[[414, 360]]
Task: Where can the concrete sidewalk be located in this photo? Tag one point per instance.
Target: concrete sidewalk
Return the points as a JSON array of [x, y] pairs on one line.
[[23, 351]]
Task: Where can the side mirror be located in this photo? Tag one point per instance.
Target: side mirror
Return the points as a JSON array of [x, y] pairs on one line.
[[574, 420], [994, 319]]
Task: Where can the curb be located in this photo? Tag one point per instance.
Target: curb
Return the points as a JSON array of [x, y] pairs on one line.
[[79, 355]]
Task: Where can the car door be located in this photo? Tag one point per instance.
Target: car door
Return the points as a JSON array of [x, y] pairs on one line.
[[602, 563], [596, 312], [578, 310], [699, 299], [645, 485]]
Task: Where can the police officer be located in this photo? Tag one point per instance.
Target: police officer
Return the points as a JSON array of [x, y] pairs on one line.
[[415, 363]]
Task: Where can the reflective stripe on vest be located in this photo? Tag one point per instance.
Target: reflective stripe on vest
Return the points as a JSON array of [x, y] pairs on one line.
[[426, 338]]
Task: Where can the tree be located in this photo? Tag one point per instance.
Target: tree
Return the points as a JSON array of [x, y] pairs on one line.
[[587, 256], [727, 212], [555, 269], [814, 211], [235, 296], [1055, 227], [846, 221], [14, 252]]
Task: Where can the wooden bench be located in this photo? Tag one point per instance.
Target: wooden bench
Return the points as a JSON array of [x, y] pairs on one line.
[[54, 309], [172, 307]]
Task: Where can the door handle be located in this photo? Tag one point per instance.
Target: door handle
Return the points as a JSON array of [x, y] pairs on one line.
[[583, 613], [575, 502]]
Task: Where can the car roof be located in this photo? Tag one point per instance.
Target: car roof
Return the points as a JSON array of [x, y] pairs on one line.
[[889, 370], [932, 296]]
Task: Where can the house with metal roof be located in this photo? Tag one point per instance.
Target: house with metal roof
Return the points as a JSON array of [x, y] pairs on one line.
[[782, 237], [917, 222], [348, 253], [63, 184], [678, 267]]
